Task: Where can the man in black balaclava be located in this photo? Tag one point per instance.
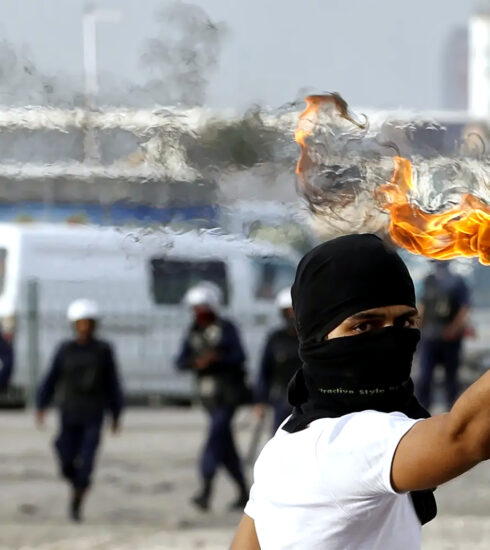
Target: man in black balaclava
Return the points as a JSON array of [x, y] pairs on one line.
[[354, 466]]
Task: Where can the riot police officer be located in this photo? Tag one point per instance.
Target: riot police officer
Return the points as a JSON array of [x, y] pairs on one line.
[[280, 361], [213, 351], [444, 307], [84, 381], [6, 362]]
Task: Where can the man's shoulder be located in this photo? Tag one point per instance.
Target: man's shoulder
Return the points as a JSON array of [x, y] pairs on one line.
[[362, 427], [103, 345], [228, 325], [66, 344], [368, 415], [460, 283], [366, 439], [365, 422], [352, 439], [277, 333], [430, 278]]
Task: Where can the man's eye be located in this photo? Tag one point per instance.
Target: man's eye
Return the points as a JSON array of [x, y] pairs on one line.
[[407, 322], [362, 327]]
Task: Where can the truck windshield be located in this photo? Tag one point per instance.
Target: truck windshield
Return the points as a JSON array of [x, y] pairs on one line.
[[271, 274], [172, 278]]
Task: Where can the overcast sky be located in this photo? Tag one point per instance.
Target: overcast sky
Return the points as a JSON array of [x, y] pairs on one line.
[[377, 53]]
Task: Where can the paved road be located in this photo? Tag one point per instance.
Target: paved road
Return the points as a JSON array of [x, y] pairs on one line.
[[145, 478]]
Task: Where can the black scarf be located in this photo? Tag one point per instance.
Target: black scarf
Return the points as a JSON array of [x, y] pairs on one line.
[[355, 373]]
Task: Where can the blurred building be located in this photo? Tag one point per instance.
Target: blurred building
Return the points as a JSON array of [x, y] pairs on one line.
[[111, 167], [183, 166], [479, 65], [455, 71]]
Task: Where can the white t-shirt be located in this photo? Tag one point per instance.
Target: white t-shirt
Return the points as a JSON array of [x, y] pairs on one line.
[[328, 487]]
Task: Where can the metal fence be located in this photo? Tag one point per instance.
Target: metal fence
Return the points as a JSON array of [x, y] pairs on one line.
[[146, 337]]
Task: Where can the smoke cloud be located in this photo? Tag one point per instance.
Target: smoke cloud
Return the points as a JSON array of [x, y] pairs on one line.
[[179, 63], [181, 59], [346, 160], [21, 82]]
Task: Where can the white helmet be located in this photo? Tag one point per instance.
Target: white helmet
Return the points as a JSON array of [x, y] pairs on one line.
[[204, 294], [283, 299], [83, 309]]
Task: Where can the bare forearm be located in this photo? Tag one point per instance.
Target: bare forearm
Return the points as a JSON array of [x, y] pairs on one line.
[[469, 419], [445, 446], [246, 536]]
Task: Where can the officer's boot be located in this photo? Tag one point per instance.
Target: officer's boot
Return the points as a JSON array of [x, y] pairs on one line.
[[201, 500], [242, 498], [78, 494]]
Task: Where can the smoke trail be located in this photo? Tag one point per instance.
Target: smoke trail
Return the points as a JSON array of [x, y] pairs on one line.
[[185, 144], [344, 164], [169, 144], [21, 83], [348, 159], [181, 60]]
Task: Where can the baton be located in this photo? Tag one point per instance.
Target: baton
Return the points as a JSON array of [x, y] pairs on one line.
[[253, 448]]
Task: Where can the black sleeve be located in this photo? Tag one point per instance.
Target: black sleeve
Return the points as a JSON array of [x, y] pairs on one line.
[[47, 388], [231, 349], [463, 294], [113, 384], [425, 285], [183, 361], [263, 383], [7, 358]]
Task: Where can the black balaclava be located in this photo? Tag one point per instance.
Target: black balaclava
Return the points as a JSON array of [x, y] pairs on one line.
[[370, 371]]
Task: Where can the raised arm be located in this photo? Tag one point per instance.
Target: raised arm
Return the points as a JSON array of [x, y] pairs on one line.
[[443, 447]]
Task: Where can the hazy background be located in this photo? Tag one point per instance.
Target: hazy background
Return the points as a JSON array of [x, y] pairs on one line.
[[170, 177], [378, 53]]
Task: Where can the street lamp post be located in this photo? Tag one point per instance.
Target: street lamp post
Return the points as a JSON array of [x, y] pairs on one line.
[[90, 18]]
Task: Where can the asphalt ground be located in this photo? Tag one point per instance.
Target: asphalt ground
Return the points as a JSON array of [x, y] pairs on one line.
[[145, 478]]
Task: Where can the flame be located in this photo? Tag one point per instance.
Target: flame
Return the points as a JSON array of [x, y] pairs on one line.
[[305, 128], [308, 122], [461, 231]]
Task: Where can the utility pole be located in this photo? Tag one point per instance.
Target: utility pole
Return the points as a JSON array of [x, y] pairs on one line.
[[91, 16]]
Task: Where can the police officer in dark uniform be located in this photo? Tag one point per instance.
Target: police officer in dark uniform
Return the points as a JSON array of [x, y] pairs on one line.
[[444, 308], [83, 380], [213, 351], [6, 362], [280, 361]]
